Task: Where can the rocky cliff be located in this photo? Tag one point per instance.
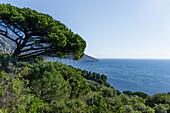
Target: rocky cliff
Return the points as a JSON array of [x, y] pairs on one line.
[[6, 45]]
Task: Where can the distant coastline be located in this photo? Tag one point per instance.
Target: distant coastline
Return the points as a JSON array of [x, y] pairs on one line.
[[85, 58]]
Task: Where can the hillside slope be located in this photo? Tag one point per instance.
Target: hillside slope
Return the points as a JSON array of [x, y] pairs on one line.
[[53, 87]]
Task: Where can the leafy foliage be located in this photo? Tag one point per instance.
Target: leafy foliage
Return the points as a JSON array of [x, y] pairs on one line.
[[158, 99], [32, 85], [138, 93], [38, 34], [141, 94], [38, 86], [15, 97], [128, 93]]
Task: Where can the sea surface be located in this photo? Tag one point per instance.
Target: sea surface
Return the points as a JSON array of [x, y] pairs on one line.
[[146, 75]]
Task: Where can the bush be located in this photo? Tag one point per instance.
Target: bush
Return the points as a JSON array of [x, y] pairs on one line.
[[15, 97], [51, 87], [141, 94], [128, 109], [160, 109], [108, 92], [8, 63], [96, 102], [139, 107], [128, 93], [158, 99], [125, 99]]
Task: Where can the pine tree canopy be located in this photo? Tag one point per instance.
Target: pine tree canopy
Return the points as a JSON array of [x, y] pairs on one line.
[[38, 34]]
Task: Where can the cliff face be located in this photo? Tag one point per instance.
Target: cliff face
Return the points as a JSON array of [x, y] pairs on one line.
[[6, 45]]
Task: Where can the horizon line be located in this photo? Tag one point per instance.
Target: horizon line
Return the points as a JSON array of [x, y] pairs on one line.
[[137, 58]]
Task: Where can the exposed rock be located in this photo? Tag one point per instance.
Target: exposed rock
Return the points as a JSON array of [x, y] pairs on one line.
[[6, 45]]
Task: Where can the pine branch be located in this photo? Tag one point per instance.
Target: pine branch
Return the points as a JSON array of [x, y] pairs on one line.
[[31, 53]]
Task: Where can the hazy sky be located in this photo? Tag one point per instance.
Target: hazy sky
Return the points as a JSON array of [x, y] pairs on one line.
[[113, 28]]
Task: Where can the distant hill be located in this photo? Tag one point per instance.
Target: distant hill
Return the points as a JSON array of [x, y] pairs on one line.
[[87, 58], [8, 46]]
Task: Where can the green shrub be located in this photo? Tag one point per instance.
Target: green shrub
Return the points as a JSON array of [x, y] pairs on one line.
[[158, 99], [141, 94], [51, 87], [96, 102], [125, 99], [108, 92], [15, 97], [128, 93], [160, 109], [128, 109]]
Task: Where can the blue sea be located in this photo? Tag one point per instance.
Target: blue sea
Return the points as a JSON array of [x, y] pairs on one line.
[[146, 75]]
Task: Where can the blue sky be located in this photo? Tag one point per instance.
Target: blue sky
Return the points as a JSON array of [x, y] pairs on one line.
[[113, 28]]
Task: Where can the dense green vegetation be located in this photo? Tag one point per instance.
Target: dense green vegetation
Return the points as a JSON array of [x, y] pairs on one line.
[[33, 85], [138, 93], [38, 34], [38, 86]]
